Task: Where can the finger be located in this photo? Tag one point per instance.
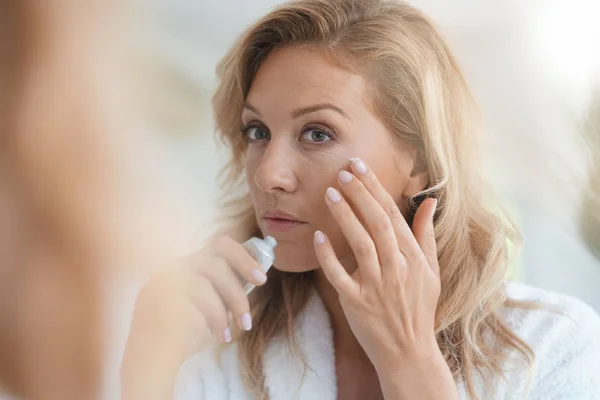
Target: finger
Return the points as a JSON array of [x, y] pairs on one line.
[[423, 228], [405, 239], [230, 289], [209, 304], [375, 218], [239, 259], [358, 238], [333, 269]]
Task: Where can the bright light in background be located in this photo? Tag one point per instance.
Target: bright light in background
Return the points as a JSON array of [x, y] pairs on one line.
[[566, 36]]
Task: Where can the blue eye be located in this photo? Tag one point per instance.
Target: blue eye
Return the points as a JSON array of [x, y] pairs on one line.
[[254, 133], [316, 136]]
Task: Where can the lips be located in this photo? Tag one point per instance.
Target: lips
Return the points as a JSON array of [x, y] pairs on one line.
[[278, 221]]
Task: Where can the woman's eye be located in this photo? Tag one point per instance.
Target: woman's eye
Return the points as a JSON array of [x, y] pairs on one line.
[[316, 136], [256, 133]]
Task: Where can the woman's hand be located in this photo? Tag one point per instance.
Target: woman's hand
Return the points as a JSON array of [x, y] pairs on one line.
[[177, 309], [390, 300]]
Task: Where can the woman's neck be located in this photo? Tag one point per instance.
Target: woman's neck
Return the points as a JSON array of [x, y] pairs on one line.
[[346, 344]]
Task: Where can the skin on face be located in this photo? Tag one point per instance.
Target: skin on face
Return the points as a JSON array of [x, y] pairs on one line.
[[305, 119]]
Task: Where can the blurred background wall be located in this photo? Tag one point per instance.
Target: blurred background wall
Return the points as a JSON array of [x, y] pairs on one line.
[[534, 66]]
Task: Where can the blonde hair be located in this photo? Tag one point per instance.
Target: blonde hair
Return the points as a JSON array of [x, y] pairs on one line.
[[418, 90]]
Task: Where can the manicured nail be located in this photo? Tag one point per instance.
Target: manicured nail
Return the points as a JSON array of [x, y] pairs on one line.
[[246, 321], [319, 237], [259, 275], [345, 177], [227, 335], [334, 195], [359, 166]]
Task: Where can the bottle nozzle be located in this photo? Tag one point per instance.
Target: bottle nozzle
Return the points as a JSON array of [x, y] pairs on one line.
[[270, 241]]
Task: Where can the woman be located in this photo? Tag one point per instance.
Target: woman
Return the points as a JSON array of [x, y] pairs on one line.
[[358, 147]]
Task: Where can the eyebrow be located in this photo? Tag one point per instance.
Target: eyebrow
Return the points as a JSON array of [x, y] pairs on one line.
[[305, 110]]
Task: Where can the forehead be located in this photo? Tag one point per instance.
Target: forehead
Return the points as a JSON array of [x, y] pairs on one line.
[[301, 76]]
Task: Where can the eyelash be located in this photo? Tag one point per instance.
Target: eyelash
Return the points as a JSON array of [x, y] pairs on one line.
[[310, 127], [321, 128], [246, 128]]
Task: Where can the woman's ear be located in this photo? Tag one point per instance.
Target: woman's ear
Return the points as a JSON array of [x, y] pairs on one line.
[[418, 178]]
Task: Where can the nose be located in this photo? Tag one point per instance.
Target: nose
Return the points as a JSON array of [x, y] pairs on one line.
[[275, 171]]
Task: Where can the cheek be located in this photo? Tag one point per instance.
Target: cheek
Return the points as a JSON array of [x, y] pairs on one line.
[[392, 179], [251, 163], [319, 172], [318, 175], [394, 182]]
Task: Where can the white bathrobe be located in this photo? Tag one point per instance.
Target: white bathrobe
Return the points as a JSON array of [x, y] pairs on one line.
[[567, 351]]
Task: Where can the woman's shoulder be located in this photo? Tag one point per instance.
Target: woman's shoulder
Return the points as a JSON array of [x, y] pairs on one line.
[[558, 323], [554, 313], [564, 334]]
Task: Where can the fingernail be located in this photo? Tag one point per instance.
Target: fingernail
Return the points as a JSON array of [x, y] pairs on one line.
[[259, 275], [334, 195], [345, 177], [319, 237], [247, 321], [227, 335], [359, 166]]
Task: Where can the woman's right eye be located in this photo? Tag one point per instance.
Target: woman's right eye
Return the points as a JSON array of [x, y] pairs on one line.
[[256, 133]]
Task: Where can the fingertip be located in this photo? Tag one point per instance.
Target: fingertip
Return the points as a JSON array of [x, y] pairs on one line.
[[429, 205], [259, 276], [320, 238], [434, 204], [226, 335], [333, 195], [359, 165], [246, 321]]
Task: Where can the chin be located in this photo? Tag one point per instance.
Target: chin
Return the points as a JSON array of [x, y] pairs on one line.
[[295, 261]]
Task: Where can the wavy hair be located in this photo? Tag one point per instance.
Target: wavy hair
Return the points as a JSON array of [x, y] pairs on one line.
[[418, 91]]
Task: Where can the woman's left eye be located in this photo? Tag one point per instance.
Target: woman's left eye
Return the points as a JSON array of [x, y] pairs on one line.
[[316, 136]]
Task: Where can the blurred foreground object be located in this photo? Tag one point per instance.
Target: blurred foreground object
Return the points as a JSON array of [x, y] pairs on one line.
[[73, 198]]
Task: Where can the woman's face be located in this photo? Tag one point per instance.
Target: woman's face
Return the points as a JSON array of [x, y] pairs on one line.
[[304, 119]]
